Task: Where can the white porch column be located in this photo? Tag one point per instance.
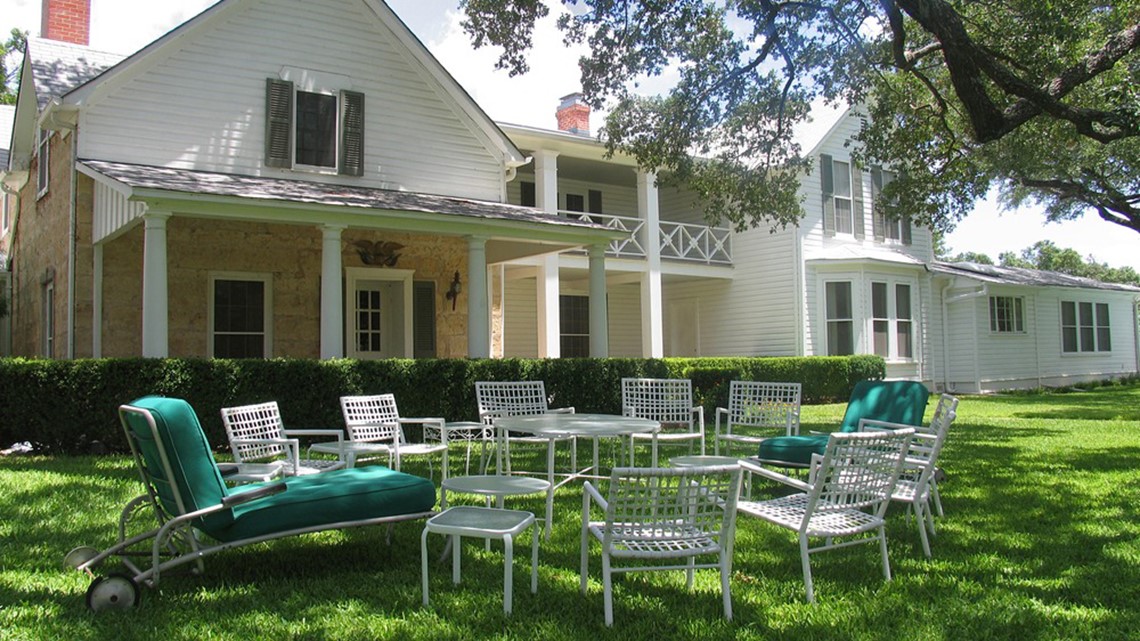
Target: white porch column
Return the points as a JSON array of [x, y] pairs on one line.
[[478, 311], [652, 326], [599, 325], [547, 285], [332, 293], [155, 303], [97, 301]]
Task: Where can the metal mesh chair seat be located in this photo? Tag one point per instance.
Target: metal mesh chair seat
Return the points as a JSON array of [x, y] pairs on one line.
[[789, 512], [632, 540]]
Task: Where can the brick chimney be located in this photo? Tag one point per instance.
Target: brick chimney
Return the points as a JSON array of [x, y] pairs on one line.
[[67, 21], [573, 115]]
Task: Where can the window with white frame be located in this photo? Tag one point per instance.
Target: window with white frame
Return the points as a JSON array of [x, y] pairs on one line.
[[841, 177], [49, 319], [1007, 314], [840, 318], [314, 127], [574, 321], [240, 307], [892, 320], [1085, 327], [886, 228], [43, 173], [6, 214]]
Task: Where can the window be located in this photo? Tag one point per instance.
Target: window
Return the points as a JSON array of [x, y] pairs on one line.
[[49, 320], [1007, 314], [842, 187], [1085, 327], [43, 174], [893, 229], [892, 324], [526, 194], [840, 321], [321, 130], [575, 202], [239, 308], [595, 201], [6, 214], [574, 318]]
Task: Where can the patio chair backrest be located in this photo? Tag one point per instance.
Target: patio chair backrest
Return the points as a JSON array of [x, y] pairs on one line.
[[497, 399], [664, 512], [174, 459], [668, 401], [891, 401], [764, 405], [259, 421], [927, 443], [858, 470], [371, 418]]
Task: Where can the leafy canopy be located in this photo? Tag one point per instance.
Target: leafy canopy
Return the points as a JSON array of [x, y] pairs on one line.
[[15, 44], [1040, 97], [1046, 255]]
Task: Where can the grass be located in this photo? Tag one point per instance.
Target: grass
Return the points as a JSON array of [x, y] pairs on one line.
[[1040, 541]]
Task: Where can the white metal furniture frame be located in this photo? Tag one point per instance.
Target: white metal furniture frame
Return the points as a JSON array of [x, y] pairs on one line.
[[375, 428], [846, 495], [916, 484], [498, 487], [668, 401], [667, 515], [486, 523], [499, 399], [258, 435], [757, 410]]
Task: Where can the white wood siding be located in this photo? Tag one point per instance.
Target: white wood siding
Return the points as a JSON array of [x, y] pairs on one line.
[[202, 107], [520, 326], [623, 303], [112, 212]]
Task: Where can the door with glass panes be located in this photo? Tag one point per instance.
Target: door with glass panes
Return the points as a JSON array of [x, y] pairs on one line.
[[378, 313]]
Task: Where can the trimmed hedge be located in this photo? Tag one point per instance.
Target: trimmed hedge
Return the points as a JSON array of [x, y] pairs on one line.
[[70, 406]]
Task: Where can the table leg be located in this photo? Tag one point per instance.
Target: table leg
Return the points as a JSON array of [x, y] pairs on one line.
[[508, 572], [424, 565], [456, 546], [550, 480], [534, 560]]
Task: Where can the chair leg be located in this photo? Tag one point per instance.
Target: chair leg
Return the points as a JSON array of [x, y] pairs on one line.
[[930, 519], [883, 548], [689, 573], [805, 559], [937, 498], [585, 558], [607, 589], [920, 516], [725, 590]]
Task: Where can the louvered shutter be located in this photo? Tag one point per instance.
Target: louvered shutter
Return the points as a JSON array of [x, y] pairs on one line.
[[423, 319], [352, 133], [827, 185], [857, 201], [278, 123], [878, 223]]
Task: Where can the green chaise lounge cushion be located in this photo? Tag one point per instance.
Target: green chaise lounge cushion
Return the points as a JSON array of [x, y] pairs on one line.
[[893, 401], [309, 501]]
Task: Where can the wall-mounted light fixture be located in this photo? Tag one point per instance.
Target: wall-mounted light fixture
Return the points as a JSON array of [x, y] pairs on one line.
[[453, 291]]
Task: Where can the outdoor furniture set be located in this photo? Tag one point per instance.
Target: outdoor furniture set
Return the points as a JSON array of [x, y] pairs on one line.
[[671, 515]]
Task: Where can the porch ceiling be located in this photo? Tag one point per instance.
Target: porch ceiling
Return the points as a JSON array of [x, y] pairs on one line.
[[511, 230]]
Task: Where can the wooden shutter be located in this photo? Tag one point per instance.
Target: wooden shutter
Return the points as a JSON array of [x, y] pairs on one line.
[[278, 123], [423, 319], [827, 185], [352, 133], [857, 201], [878, 223], [594, 201]]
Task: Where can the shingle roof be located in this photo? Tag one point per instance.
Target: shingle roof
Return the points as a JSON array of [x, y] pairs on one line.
[[268, 189], [59, 67], [7, 117], [1020, 276]]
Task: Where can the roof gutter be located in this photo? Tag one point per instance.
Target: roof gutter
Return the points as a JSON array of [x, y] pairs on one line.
[[58, 116]]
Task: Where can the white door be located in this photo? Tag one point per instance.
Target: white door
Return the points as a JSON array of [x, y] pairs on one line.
[[378, 314], [684, 329]]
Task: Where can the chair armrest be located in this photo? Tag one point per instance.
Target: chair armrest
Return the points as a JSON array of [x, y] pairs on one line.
[[722, 411], [700, 412], [264, 441], [561, 410], [590, 492], [239, 498], [752, 467], [870, 424], [339, 434], [793, 424]]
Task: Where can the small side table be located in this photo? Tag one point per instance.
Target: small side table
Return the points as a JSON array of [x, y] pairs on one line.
[[487, 523], [499, 486]]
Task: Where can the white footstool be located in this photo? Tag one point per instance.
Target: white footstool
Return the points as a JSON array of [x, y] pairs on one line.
[[485, 523]]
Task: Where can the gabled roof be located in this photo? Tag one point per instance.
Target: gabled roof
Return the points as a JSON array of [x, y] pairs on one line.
[[1020, 276], [7, 117], [59, 67]]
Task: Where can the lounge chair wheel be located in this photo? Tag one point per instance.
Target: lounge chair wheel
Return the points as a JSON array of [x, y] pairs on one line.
[[112, 592], [79, 556]]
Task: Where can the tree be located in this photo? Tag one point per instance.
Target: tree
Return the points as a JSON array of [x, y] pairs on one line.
[[1039, 97], [1046, 255], [969, 257], [17, 41]]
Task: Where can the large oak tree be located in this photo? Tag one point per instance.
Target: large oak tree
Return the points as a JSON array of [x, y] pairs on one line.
[[1040, 97]]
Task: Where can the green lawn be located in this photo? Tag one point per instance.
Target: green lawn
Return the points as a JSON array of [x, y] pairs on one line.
[[1040, 541]]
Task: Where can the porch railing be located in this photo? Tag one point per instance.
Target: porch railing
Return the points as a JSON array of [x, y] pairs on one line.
[[678, 241]]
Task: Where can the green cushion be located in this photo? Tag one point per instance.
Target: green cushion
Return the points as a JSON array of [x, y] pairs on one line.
[[893, 401], [328, 498], [793, 450]]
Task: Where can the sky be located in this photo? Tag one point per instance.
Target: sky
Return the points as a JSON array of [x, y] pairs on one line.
[[124, 26]]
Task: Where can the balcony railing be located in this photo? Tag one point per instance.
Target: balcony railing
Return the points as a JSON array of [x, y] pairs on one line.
[[678, 241]]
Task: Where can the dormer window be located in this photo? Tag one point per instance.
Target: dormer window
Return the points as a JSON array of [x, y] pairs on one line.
[[314, 129]]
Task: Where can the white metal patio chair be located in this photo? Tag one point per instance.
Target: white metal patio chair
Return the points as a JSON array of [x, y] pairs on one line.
[[757, 410], [846, 495], [668, 401], [258, 436], [669, 515], [498, 399], [376, 429], [916, 484]]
